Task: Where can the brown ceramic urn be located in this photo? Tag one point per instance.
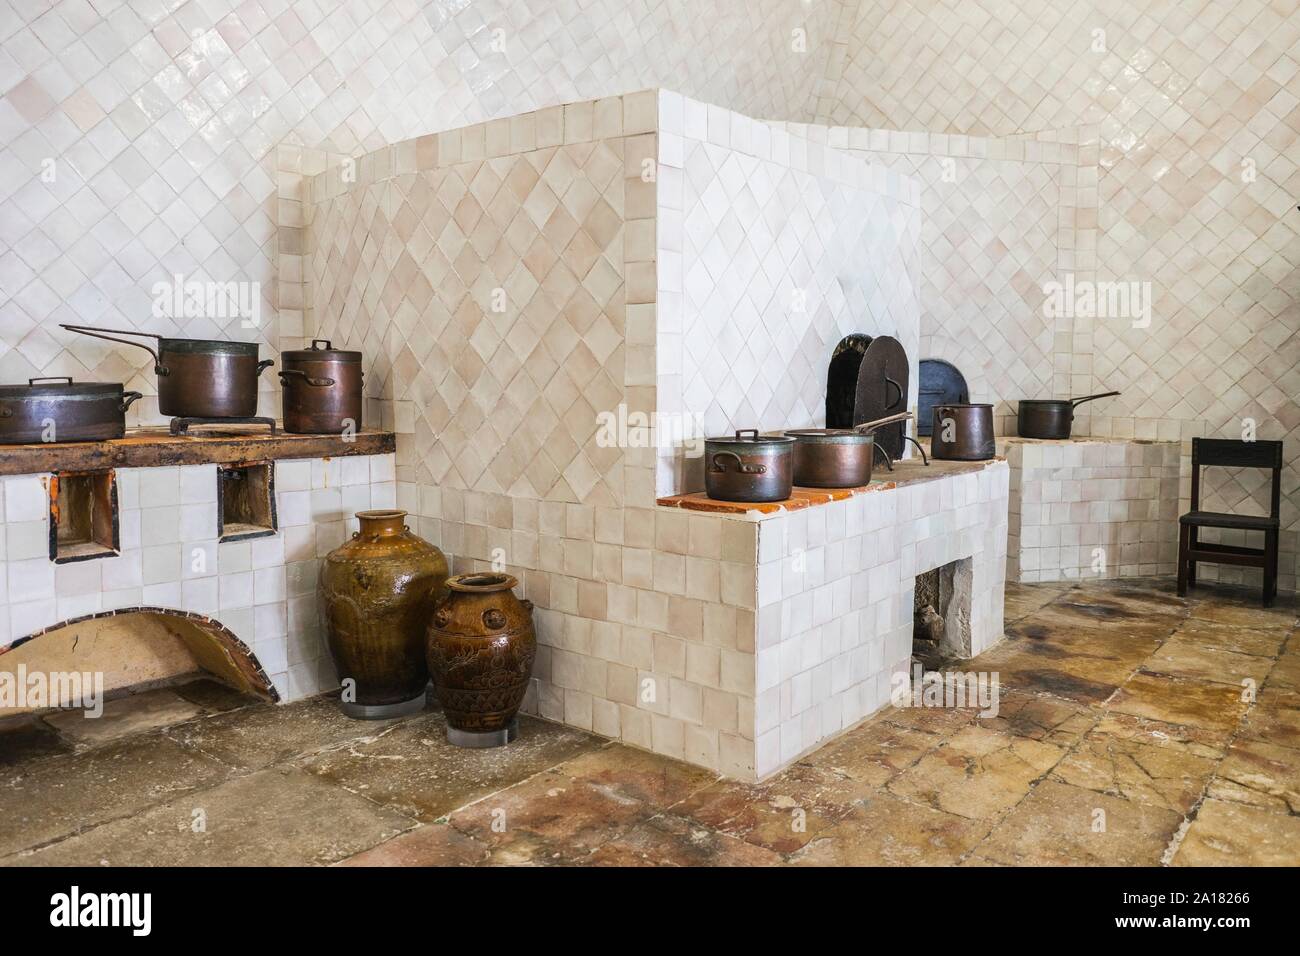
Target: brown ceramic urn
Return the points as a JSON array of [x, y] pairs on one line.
[[379, 590], [481, 649]]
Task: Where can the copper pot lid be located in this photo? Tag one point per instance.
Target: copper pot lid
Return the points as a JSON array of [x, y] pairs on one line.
[[60, 386], [319, 352], [750, 439]]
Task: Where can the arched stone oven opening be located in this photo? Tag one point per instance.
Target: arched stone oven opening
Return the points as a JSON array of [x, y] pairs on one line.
[[133, 649]]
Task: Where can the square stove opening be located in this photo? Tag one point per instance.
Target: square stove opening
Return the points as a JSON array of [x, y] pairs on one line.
[[83, 516], [246, 501], [941, 615]]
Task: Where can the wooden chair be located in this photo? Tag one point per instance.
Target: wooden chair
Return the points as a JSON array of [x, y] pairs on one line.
[[1231, 453]]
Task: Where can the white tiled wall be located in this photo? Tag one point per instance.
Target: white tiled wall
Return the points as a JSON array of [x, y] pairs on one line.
[[262, 589], [1092, 508], [1189, 118], [138, 139], [771, 248]]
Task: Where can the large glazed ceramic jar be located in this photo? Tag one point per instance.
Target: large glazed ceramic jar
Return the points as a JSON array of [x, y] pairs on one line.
[[481, 650], [379, 590]]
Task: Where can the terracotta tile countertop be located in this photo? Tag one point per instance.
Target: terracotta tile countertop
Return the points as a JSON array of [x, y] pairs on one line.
[[907, 472]]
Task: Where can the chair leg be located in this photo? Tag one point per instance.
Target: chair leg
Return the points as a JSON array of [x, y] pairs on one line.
[[1183, 541], [1194, 538], [1270, 567]]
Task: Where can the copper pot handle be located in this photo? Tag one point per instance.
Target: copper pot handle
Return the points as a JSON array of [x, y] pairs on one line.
[[50, 378], [1076, 402], [880, 422], [741, 467], [263, 365], [95, 332], [329, 346], [129, 398], [317, 382]]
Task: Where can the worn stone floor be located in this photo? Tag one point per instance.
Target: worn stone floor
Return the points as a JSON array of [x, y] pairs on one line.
[[1135, 728]]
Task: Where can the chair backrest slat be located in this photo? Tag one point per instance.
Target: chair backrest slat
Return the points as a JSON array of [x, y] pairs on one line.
[[1233, 453]]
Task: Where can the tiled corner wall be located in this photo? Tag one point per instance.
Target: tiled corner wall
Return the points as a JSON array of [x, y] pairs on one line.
[[771, 248], [1092, 508], [139, 141], [836, 586], [261, 589], [999, 219], [486, 273], [1196, 116]]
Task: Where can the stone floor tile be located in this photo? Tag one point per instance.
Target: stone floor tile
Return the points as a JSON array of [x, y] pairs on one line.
[[886, 831], [1179, 658], [57, 796], [437, 844], [1275, 718], [415, 771], [978, 774], [1259, 642], [275, 817], [25, 738], [124, 717], [1211, 706], [261, 736], [1261, 774], [549, 819], [1059, 825], [1160, 776], [1041, 717], [1233, 834], [781, 814], [874, 753], [670, 840]]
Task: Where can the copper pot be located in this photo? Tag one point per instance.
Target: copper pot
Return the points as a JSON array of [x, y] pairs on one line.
[[379, 590], [1050, 417], [963, 432], [839, 457], [55, 409], [748, 467], [197, 378], [321, 389], [480, 651]]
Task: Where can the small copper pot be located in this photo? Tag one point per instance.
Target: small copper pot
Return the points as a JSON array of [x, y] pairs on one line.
[[838, 457], [748, 467], [480, 651], [321, 389], [963, 432]]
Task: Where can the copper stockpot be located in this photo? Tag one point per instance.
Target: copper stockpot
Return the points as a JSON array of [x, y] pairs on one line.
[[748, 467], [321, 389], [480, 649], [963, 432], [197, 378], [379, 590], [838, 457]]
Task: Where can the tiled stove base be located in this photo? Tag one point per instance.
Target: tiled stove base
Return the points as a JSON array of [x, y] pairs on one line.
[[1091, 507], [263, 589]]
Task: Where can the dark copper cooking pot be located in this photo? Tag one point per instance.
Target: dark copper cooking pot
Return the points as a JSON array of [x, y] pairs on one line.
[[748, 467], [197, 378], [1050, 417], [838, 457], [321, 388], [963, 432], [57, 409]]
